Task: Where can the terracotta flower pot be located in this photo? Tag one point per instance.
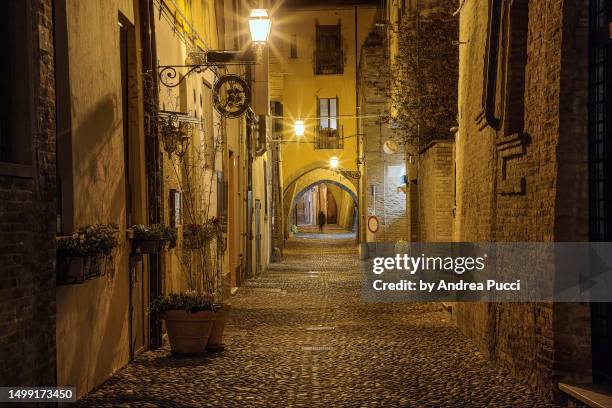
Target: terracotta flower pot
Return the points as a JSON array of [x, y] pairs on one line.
[[189, 332], [215, 341]]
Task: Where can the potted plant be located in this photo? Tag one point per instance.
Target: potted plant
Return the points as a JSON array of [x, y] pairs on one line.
[[151, 239], [81, 254], [215, 341], [189, 319]]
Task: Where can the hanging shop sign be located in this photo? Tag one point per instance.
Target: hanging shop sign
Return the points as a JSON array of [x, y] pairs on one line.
[[231, 96]]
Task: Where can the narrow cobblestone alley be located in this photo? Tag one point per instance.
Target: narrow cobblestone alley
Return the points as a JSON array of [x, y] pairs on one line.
[[299, 336]]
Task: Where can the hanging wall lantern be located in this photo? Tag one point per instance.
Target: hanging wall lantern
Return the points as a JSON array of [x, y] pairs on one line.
[[333, 162], [259, 25]]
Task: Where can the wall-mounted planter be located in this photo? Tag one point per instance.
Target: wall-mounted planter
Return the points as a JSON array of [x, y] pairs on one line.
[[73, 270], [147, 246]]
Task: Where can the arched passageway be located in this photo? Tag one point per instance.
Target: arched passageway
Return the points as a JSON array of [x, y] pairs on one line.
[[330, 199]]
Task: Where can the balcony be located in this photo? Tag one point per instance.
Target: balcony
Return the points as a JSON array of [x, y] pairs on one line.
[[329, 138]]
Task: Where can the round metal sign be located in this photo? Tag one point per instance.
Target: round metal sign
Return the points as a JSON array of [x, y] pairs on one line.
[[231, 96], [373, 224]]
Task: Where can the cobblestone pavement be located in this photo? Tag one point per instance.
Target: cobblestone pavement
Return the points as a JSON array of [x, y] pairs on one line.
[[299, 336]]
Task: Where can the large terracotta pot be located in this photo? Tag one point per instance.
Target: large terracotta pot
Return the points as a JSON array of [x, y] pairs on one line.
[[215, 341], [188, 332]]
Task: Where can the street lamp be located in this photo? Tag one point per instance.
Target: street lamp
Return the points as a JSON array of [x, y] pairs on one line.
[[333, 162], [299, 128], [259, 25]]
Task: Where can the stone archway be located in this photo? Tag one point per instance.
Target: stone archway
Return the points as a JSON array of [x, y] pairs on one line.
[[344, 212]]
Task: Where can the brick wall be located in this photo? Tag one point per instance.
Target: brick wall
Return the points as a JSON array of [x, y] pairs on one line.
[[435, 190], [27, 234], [533, 192], [383, 171]]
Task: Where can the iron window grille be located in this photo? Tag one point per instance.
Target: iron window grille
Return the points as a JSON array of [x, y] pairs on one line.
[[328, 134], [600, 176], [326, 138]]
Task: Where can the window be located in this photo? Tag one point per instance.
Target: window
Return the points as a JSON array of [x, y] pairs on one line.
[[329, 59], [600, 174], [207, 125], [15, 88], [328, 133], [293, 50]]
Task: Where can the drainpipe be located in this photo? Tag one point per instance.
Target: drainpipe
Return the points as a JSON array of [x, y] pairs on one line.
[[152, 151], [261, 136]]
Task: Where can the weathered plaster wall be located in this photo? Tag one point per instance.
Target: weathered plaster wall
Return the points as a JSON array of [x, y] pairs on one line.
[[92, 318]]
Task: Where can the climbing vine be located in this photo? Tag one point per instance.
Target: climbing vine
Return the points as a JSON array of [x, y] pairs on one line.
[[424, 76]]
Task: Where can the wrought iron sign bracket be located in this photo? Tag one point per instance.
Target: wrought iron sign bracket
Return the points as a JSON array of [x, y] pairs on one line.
[[199, 62]]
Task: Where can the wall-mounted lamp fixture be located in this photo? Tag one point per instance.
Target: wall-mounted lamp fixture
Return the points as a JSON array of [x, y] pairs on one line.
[[176, 130], [299, 128], [259, 25], [333, 162]]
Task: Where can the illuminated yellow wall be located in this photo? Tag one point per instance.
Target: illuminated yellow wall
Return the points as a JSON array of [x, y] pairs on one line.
[[294, 84]]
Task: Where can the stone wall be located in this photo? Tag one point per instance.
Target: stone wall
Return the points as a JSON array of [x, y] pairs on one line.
[[521, 175], [27, 233], [383, 171]]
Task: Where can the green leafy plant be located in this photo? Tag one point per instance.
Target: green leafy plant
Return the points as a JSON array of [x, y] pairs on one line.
[[92, 240], [155, 232], [189, 301]]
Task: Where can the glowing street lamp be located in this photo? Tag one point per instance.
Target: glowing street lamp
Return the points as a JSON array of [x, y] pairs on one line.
[[299, 128], [333, 162], [259, 25]]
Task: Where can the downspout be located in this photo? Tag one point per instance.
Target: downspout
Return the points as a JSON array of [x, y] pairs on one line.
[[261, 136], [358, 236]]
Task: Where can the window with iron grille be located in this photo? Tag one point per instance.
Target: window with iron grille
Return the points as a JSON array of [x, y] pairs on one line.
[[600, 167], [328, 134], [329, 59]]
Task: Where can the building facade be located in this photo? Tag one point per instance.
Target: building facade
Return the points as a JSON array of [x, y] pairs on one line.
[[27, 195], [514, 166], [313, 79], [84, 146]]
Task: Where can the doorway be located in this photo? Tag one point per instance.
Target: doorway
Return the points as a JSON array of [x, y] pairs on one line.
[[136, 266]]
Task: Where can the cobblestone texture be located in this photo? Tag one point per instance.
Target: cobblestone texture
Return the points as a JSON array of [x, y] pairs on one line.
[[299, 336]]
